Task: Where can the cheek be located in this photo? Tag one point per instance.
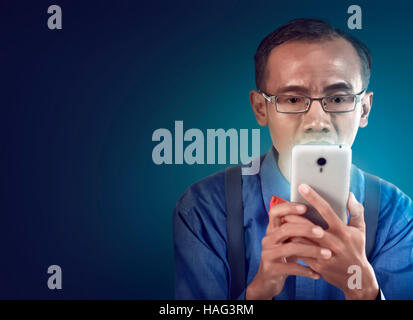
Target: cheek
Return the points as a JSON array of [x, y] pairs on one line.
[[283, 129], [347, 126]]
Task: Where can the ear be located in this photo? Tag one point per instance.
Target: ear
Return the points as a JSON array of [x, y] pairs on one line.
[[259, 107], [366, 104]]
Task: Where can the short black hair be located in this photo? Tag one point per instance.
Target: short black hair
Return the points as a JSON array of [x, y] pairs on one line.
[[307, 29]]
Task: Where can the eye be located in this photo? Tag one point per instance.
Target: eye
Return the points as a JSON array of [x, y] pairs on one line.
[[294, 100], [337, 99]]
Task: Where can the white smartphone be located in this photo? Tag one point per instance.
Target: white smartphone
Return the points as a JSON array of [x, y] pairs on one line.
[[325, 168]]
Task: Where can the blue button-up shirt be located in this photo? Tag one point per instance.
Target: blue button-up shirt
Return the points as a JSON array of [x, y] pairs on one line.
[[200, 238]]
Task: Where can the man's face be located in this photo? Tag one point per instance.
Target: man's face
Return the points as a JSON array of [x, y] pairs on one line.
[[314, 69]]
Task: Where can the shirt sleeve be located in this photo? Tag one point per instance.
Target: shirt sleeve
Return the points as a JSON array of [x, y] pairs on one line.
[[393, 261], [200, 269], [242, 295]]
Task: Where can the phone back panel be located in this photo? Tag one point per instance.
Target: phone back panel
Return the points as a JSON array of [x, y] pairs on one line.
[[331, 180]]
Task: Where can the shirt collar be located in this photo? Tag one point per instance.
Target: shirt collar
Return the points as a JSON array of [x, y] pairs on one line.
[[273, 183]]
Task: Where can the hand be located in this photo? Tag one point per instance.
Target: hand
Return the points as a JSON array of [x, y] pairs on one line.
[[347, 243], [279, 257]]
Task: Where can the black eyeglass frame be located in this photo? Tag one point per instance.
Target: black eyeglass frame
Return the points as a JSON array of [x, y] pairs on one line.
[[273, 100]]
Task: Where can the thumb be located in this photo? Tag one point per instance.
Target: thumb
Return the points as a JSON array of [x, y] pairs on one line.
[[356, 212]]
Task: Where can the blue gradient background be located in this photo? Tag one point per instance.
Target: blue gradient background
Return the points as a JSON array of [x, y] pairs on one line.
[[79, 106]]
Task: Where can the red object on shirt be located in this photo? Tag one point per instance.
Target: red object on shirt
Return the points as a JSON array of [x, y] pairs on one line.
[[276, 200]]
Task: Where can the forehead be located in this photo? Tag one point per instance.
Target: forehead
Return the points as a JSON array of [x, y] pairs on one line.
[[313, 65]]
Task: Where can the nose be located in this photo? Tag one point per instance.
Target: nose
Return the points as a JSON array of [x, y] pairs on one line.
[[316, 119]]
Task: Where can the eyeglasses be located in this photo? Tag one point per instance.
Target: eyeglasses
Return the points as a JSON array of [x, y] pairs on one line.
[[340, 103]]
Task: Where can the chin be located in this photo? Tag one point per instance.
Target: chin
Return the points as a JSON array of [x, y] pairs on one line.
[[316, 141]]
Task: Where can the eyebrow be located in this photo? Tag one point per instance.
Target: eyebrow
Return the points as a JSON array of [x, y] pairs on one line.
[[332, 87], [339, 86]]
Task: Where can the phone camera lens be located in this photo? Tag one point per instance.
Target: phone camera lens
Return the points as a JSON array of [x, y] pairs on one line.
[[321, 161]]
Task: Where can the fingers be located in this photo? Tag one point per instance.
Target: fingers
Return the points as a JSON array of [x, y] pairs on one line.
[[284, 209], [289, 230], [293, 269], [311, 262], [296, 249], [304, 232], [299, 219], [357, 213], [296, 219], [328, 240], [303, 241], [322, 206]]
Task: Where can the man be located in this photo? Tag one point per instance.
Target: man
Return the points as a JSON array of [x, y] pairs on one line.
[[287, 256]]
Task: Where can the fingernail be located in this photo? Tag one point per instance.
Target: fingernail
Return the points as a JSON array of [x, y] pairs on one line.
[[326, 253], [318, 231], [304, 188], [300, 208], [315, 276]]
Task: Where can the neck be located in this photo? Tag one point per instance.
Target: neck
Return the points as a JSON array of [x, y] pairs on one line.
[[284, 164]]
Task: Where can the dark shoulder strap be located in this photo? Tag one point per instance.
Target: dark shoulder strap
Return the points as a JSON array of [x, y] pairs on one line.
[[371, 210], [235, 230]]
